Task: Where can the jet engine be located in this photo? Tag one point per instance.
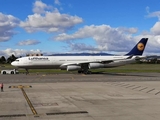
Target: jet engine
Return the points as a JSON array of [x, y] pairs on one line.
[[96, 65], [73, 67]]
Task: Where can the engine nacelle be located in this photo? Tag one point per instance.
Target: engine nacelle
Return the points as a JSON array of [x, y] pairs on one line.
[[73, 67], [96, 65]]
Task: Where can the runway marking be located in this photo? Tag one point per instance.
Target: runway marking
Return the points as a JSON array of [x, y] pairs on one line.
[[15, 115], [150, 90], [157, 93], [26, 97], [20, 86], [125, 85], [44, 104], [64, 113], [130, 86], [29, 102], [143, 88]]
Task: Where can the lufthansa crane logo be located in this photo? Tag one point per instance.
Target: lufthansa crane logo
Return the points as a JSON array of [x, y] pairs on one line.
[[140, 46]]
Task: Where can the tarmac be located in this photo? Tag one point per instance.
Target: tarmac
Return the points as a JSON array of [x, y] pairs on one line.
[[132, 96]]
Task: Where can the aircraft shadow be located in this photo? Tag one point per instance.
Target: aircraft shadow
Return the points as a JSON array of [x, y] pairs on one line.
[[123, 74]]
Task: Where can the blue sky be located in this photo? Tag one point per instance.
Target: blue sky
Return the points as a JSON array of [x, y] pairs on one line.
[[61, 26]]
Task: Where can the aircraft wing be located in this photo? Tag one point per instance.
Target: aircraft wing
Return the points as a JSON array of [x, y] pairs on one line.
[[98, 61], [80, 63]]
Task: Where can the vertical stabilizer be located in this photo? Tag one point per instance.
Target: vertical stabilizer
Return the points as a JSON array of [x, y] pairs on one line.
[[139, 47]]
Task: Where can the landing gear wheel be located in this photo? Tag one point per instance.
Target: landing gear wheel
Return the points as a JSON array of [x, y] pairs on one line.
[[12, 72], [80, 71], [87, 72], [4, 72], [84, 71]]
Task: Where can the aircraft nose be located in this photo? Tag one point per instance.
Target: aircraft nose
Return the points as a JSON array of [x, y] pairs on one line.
[[13, 63]]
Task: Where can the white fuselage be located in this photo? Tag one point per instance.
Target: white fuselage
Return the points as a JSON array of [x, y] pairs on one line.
[[61, 62]]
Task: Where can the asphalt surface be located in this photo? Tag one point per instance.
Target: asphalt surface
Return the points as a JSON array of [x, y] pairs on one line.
[[133, 96], [105, 77]]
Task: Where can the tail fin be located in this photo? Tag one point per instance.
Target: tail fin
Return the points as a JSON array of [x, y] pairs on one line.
[[139, 47]]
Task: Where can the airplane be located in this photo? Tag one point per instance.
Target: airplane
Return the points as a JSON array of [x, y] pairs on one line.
[[82, 64]]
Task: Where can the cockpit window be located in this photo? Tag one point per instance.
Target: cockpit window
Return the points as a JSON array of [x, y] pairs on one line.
[[17, 60]]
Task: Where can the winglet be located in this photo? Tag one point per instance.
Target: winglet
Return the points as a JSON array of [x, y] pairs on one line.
[[139, 47]]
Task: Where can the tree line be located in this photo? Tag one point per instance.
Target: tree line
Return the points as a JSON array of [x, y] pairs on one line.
[[10, 59]]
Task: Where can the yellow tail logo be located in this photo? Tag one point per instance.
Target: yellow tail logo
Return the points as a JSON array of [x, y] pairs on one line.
[[140, 46]]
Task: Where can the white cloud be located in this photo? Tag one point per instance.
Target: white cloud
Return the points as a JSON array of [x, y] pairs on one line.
[[7, 24], [128, 30], [156, 28], [49, 21], [57, 2], [18, 52], [39, 7], [154, 14], [106, 37], [153, 43], [28, 42], [76, 47]]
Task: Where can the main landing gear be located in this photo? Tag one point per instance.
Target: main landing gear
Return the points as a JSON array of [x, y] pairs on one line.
[[85, 71]]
